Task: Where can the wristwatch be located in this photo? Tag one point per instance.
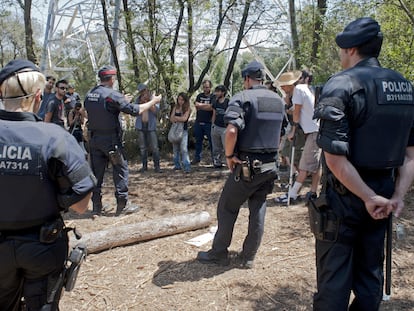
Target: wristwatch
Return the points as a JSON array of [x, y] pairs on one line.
[[230, 156]]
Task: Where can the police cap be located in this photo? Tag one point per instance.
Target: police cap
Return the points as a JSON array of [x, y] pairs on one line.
[[358, 32], [106, 71], [15, 66], [254, 70]]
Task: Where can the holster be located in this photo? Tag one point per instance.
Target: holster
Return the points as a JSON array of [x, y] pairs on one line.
[[115, 156], [76, 257], [246, 173], [324, 224]]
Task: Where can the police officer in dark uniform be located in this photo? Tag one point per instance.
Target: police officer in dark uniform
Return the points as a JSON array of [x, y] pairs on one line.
[[254, 118], [42, 172], [104, 105], [366, 132]]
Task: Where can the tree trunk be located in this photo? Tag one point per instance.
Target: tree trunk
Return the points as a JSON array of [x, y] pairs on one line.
[[142, 231], [317, 30], [27, 11], [294, 31], [130, 39], [239, 39], [221, 15], [190, 47], [111, 43]]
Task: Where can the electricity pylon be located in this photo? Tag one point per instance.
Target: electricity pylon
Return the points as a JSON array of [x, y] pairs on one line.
[[71, 21]]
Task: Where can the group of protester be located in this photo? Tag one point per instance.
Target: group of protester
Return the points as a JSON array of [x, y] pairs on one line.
[[367, 175]]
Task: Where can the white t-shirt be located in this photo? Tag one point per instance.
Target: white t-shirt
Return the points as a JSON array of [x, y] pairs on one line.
[[303, 96]]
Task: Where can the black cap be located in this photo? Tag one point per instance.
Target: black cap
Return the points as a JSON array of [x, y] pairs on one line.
[[106, 71], [221, 88], [15, 66], [254, 70], [358, 32]]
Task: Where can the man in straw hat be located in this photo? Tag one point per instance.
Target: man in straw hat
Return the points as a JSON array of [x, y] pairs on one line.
[[367, 136], [303, 101]]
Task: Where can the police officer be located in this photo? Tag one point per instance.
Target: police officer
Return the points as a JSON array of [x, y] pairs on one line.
[[254, 118], [42, 172], [104, 105], [366, 132]]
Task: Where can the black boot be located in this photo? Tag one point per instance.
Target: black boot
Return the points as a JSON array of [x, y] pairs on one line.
[[144, 160], [157, 167], [97, 209], [126, 209]]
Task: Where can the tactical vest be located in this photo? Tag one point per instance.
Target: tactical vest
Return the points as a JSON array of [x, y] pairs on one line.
[[99, 118], [263, 121], [379, 139], [29, 196]]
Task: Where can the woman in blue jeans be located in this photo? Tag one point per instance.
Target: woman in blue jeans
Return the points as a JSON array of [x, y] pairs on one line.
[[181, 113], [146, 126]]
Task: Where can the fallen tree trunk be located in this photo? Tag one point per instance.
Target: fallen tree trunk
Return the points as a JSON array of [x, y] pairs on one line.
[[143, 231]]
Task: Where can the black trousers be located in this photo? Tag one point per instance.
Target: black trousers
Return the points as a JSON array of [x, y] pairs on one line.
[[26, 266], [355, 261], [100, 145], [234, 194]]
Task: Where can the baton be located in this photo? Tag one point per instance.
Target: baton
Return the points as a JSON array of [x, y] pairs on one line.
[[388, 259], [292, 160]]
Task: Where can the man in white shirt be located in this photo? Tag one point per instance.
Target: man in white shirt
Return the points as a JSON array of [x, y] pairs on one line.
[[303, 101]]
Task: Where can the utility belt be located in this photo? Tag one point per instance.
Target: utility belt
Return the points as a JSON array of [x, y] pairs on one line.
[[203, 123], [104, 132], [47, 233], [248, 168], [366, 174]]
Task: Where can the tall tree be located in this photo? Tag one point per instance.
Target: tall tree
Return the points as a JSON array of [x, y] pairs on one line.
[[318, 28], [27, 12], [111, 44], [240, 36], [294, 32], [130, 39], [222, 14], [190, 47]]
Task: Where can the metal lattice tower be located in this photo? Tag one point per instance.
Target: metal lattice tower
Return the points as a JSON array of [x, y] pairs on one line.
[[75, 21]]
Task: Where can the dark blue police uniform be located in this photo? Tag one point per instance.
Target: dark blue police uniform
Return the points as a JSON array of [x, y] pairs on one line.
[[104, 105], [366, 114], [257, 113], [42, 172]]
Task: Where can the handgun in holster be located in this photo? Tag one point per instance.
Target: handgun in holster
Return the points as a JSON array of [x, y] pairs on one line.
[[67, 277], [76, 257], [323, 222]]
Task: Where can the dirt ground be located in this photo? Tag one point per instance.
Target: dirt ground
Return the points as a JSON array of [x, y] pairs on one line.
[[161, 274]]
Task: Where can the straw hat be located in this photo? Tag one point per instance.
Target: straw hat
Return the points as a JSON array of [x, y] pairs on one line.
[[288, 78]]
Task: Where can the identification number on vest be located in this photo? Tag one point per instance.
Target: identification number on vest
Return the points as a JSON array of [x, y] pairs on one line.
[[19, 159], [13, 165]]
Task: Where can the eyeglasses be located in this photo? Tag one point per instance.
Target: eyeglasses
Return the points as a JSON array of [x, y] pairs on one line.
[[63, 88]]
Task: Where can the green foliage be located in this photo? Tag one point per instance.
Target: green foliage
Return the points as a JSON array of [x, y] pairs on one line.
[[12, 44], [398, 46]]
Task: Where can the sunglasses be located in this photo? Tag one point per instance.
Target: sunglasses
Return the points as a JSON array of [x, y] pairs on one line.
[[63, 88]]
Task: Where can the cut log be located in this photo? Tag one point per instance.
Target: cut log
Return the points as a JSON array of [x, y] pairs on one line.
[[142, 231]]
